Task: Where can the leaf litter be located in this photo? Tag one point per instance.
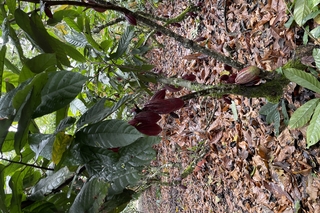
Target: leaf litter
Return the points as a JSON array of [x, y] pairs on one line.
[[246, 168]]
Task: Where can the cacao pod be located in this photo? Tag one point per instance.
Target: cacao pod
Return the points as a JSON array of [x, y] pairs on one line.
[[150, 129], [164, 106], [247, 75]]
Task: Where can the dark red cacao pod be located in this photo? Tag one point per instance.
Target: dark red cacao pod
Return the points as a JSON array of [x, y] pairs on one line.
[[161, 94], [131, 19], [164, 106], [247, 75], [150, 129]]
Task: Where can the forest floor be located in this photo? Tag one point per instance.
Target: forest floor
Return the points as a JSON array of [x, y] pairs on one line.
[[239, 165]]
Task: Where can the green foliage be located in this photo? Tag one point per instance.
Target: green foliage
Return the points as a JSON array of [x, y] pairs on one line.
[[273, 114], [55, 65], [310, 111]]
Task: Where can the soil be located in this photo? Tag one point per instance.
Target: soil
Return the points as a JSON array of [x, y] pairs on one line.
[[239, 163]]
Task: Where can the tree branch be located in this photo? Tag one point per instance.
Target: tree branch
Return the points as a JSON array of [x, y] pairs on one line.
[[26, 164]]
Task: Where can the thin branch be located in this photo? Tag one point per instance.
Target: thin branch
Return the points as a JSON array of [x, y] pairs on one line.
[[97, 29], [26, 164]]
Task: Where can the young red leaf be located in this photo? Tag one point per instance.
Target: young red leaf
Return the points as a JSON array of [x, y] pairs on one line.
[[151, 129], [161, 94], [131, 19], [189, 77], [164, 106], [147, 117]]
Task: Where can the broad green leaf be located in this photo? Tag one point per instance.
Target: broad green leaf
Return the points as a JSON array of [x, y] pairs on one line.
[[99, 111], [29, 98], [72, 24], [61, 88], [3, 207], [92, 42], [98, 160], [43, 62], [108, 134], [16, 185], [5, 31], [8, 144], [267, 108], [65, 123], [51, 182], [139, 153], [11, 5], [61, 200], [72, 52], [41, 145], [76, 39], [124, 42], [302, 9], [276, 120], [303, 79], [2, 57], [315, 32], [316, 56], [284, 112], [313, 131], [91, 196], [116, 203], [40, 207], [303, 114], [61, 142], [11, 66]]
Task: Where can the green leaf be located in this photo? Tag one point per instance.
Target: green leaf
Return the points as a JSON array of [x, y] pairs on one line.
[[2, 57], [284, 112], [72, 24], [316, 56], [61, 142], [92, 42], [90, 197], [276, 120], [11, 66], [61, 88], [41, 145], [303, 114], [76, 39], [65, 123], [99, 111], [108, 134], [124, 42], [16, 185], [48, 184], [303, 79], [315, 32], [302, 9], [43, 62], [3, 207], [11, 5], [72, 52], [313, 131]]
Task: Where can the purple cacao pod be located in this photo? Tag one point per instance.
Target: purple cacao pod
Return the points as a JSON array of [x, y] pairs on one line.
[[247, 75], [164, 106]]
